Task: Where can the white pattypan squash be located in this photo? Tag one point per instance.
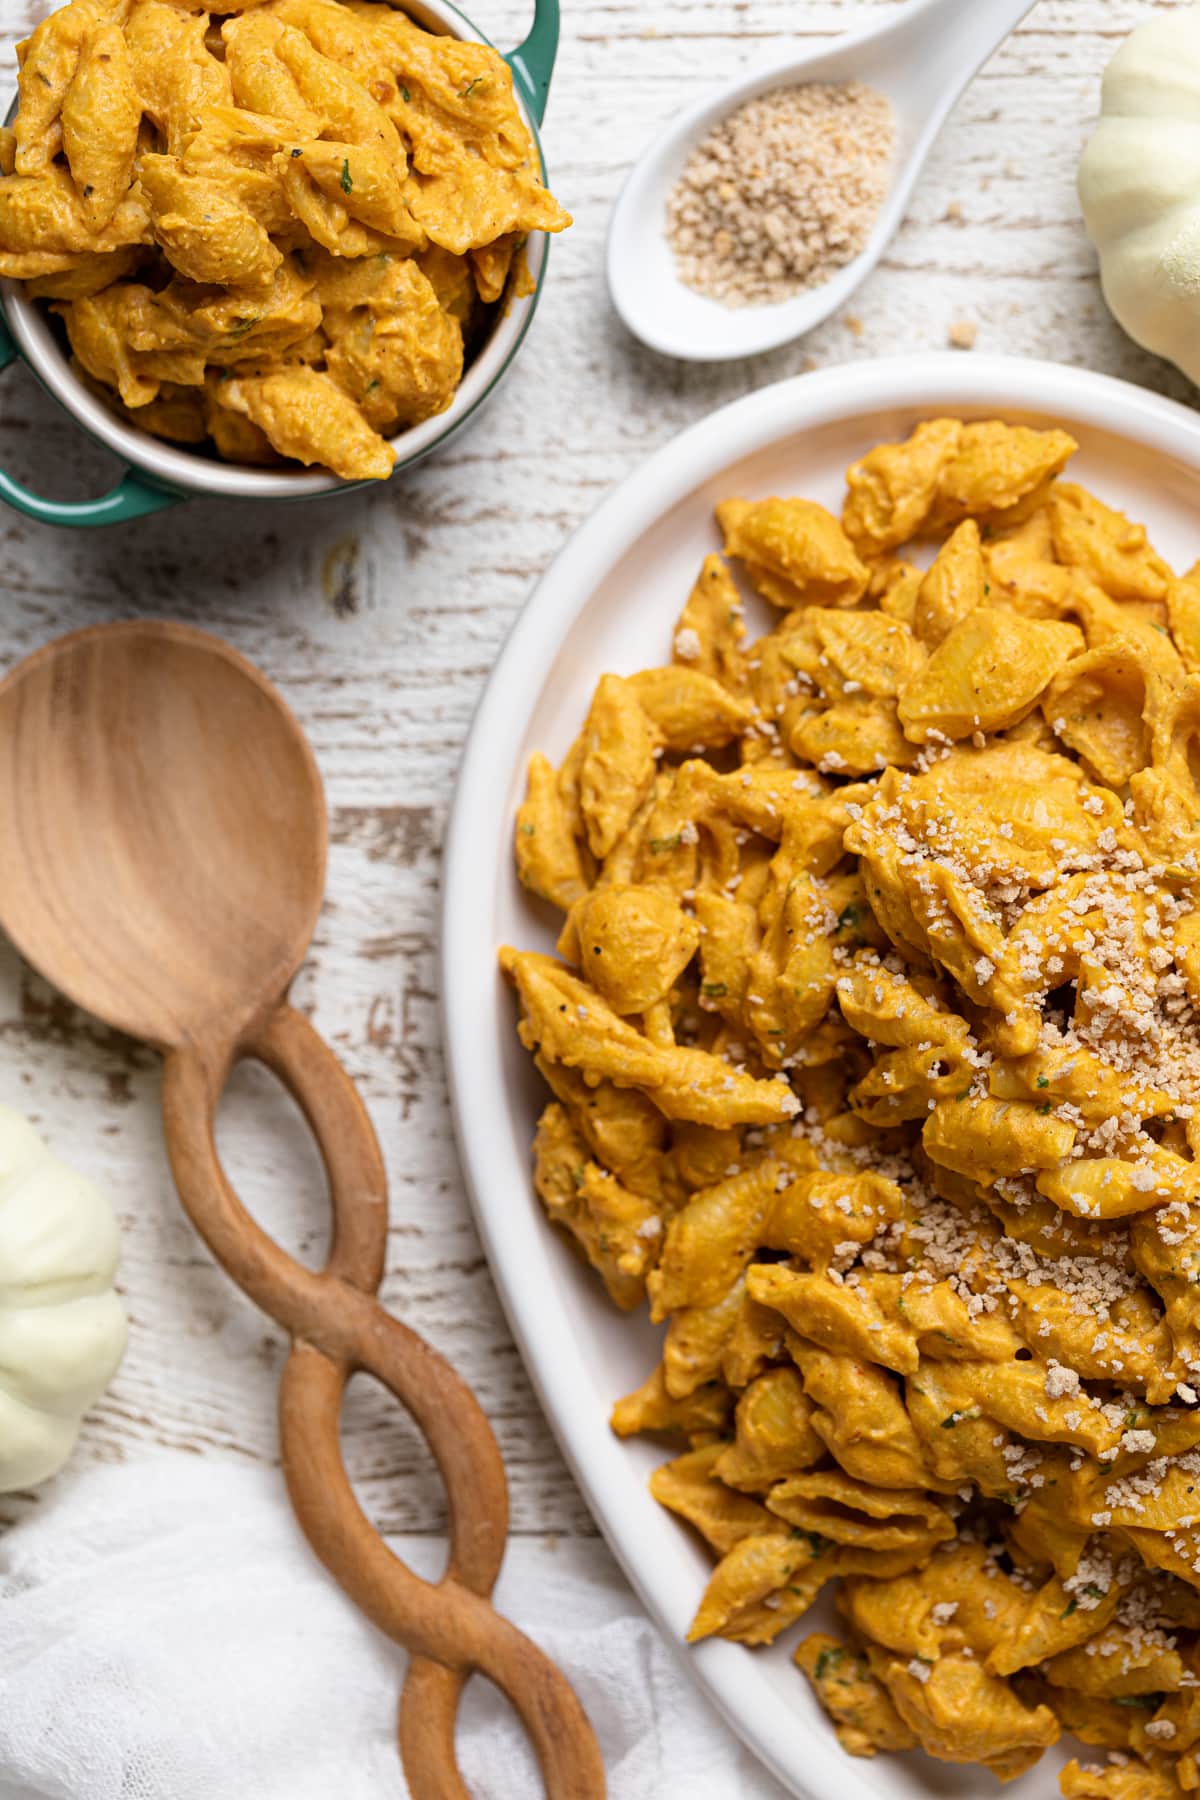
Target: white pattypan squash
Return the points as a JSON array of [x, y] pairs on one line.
[[62, 1329], [1139, 182]]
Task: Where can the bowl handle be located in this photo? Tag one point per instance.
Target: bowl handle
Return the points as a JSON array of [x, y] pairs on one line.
[[532, 62], [132, 497]]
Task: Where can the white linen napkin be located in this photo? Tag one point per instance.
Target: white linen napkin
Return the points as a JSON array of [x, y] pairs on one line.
[[165, 1634]]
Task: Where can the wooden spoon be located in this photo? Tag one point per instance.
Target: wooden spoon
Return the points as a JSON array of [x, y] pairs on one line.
[[162, 862]]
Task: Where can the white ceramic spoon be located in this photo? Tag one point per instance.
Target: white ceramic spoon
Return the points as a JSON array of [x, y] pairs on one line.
[[922, 58]]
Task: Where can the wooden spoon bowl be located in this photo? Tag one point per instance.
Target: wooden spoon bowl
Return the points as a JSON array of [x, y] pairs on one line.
[[162, 826], [162, 861]]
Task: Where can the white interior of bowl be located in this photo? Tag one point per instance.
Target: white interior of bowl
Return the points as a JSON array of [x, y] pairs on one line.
[[41, 347], [608, 603]]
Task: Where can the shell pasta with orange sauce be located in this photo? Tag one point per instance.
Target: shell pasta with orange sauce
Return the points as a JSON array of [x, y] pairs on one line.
[[281, 229], [873, 1053]]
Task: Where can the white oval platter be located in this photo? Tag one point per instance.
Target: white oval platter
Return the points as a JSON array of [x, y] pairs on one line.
[[608, 603]]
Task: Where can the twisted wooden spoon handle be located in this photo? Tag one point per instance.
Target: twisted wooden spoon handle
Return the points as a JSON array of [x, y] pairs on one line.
[[338, 1326]]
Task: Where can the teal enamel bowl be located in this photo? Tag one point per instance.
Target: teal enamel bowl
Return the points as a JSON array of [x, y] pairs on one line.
[[159, 474]]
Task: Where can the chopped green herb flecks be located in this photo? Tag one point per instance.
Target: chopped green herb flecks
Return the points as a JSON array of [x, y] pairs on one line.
[[816, 1543], [347, 179]]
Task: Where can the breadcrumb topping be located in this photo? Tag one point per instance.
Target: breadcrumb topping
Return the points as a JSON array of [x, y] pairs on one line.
[[782, 192]]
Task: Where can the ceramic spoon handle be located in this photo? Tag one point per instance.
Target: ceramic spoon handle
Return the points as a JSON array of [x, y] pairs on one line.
[[338, 1326]]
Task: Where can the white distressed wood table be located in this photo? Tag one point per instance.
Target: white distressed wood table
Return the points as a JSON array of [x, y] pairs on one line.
[[380, 615]]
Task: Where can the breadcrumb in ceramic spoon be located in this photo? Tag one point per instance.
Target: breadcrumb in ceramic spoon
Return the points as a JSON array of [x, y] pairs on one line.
[[782, 192]]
